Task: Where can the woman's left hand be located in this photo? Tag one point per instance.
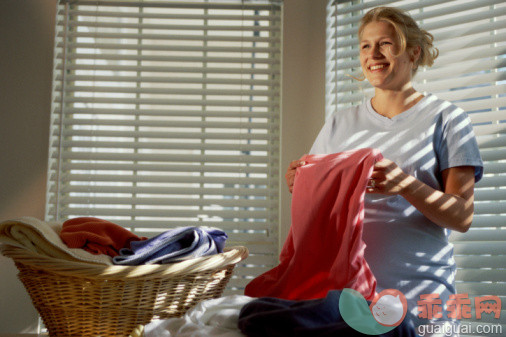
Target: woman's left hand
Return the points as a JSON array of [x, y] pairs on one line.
[[388, 178]]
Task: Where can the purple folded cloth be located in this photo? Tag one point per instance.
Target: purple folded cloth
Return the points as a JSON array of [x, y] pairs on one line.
[[178, 244]]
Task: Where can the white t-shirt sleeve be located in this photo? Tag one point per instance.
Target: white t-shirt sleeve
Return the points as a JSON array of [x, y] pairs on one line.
[[458, 145]]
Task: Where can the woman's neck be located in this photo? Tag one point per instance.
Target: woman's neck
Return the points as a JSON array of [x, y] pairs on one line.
[[391, 103]]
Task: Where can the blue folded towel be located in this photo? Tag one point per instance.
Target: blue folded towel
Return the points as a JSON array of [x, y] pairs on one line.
[[174, 245]]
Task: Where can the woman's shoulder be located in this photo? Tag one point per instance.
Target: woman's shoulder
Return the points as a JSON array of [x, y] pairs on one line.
[[443, 108], [448, 115], [442, 105]]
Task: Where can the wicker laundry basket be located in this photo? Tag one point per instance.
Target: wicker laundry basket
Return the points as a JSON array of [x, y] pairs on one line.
[[85, 299]]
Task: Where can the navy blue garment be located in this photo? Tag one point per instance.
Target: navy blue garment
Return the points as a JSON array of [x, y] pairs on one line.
[[272, 317], [174, 245]]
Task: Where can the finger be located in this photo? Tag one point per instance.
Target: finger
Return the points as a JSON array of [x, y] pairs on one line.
[[290, 188], [378, 176], [296, 163], [383, 163], [289, 179], [370, 190], [371, 183], [299, 162]]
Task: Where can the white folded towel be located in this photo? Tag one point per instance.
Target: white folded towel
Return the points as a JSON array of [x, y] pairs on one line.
[[44, 238]]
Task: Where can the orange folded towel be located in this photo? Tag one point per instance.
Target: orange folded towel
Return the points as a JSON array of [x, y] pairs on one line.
[[96, 236]]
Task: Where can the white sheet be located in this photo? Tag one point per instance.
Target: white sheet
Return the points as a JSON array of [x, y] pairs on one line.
[[215, 317]]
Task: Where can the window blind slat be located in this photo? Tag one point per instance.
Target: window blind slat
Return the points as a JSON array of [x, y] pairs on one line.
[[168, 101], [168, 134], [476, 40], [476, 275], [233, 5], [480, 248], [480, 261], [184, 59], [157, 190], [488, 141], [489, 129], [163, 146], [167, 91], [497, 207], [480, 235], [160, 201], [164, 157], [162, 123], [169, 16], [161, 69], [481, 288], [167, 48], [172, 113], [492, 180], [170, 37], [168, 80], [143, 226], [188, 27], [488, 195], [122, 212], [488, 220]]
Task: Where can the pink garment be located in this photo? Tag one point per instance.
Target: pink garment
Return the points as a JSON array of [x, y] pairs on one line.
[[324, 249]]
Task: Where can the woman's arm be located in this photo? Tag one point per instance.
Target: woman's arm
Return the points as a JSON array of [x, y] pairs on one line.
[[453, 208]]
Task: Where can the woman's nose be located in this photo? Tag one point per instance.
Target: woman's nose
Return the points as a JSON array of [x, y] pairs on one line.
[[376, 51]]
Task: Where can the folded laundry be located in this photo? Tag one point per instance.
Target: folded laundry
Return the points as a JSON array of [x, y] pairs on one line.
[[97, 236], [43, 238], [274, 317], [174, 245]]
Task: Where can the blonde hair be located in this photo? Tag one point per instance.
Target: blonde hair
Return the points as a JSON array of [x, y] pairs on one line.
[[408, 33]]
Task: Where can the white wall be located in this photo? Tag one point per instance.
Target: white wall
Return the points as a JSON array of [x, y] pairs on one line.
[[26, 40], [303, 87]]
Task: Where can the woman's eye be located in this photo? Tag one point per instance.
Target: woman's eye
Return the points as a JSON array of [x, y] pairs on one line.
[[384, 43], [364, 46]]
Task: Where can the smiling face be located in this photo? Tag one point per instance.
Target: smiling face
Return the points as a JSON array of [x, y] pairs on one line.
[[381, 64]]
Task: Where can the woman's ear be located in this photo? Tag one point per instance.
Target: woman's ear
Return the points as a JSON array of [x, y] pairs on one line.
[[415, 53]]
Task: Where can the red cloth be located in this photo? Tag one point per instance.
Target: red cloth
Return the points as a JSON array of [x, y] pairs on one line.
[[324, 248], [96, 236]]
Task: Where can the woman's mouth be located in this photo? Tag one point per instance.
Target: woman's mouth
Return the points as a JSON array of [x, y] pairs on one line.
[[377, 67]]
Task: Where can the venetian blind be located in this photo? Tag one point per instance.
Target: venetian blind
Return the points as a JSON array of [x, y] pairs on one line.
[[470, 72], [166, 113]]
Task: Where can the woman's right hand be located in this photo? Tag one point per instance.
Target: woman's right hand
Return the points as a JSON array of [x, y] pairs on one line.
[[290, 172]]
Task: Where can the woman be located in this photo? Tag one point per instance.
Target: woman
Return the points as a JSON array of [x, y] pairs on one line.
[[425, 185]]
